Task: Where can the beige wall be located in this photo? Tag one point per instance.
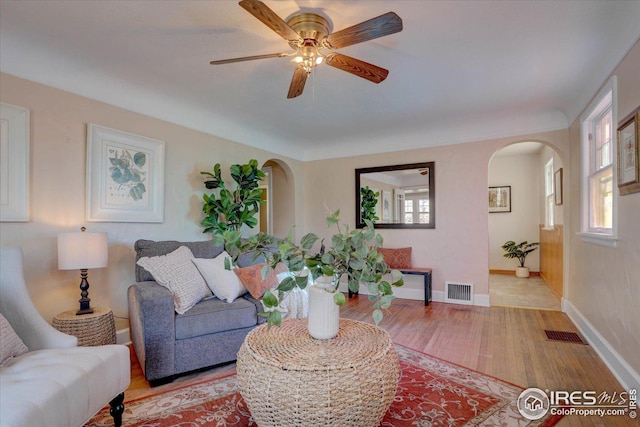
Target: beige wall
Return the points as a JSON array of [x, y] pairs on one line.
[[604, 283], [558, 213], [284, 198], [57, 178], [457, 249], [522, 173]]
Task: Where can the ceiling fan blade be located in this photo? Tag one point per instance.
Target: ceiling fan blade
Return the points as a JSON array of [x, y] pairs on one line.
[[380, 26], [248, 58], [270, 19], [371, 72], [297, 82]]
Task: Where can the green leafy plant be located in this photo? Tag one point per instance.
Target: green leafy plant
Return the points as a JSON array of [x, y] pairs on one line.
[[519, 251], [368, 202], [229, 210], [352, 253]]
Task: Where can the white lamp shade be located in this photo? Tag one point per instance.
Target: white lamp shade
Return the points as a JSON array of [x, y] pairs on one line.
[[77, 251]]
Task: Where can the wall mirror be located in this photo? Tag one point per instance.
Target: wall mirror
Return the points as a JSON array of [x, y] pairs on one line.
[[399, 196]]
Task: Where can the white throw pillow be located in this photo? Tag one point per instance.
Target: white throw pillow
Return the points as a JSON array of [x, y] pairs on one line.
[[224, 283], [176, 272], [10, 343]]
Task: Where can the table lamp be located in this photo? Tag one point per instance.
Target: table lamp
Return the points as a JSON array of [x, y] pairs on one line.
[[82, 251]]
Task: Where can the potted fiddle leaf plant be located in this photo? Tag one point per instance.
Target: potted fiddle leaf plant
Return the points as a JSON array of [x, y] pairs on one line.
[[230, 210], [520, 252], [368, 202], [353, 254]]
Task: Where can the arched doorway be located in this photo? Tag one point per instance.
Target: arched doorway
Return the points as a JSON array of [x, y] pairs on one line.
[[531, 170], [280, 198]]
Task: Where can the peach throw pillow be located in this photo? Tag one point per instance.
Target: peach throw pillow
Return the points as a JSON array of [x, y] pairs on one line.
[[397, 258], [251, 278]]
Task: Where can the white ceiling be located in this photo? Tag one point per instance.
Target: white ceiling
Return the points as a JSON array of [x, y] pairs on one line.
[[459, 71]]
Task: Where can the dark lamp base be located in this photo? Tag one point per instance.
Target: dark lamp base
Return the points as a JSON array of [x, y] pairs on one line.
[[84, 311], [85, 301]]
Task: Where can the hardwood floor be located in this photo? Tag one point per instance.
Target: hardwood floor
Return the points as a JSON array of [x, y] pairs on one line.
[[507, 343]]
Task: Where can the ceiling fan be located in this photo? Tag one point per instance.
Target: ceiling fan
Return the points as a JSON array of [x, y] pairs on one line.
[[308, 34]]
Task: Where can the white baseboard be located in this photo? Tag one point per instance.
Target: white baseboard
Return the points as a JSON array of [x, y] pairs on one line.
[[481, 300], [404, 293], [437, 296], [418, 294], [624, 373], [123, 336], [408, 293]]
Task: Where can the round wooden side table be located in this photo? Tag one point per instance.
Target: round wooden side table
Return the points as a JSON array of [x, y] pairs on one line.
[[288, 378], [97, 328]]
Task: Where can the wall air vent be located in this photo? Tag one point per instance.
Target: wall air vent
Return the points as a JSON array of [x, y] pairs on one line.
[[458, 293]]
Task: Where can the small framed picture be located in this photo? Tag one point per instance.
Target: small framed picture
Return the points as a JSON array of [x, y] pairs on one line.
[[125, 176], [500, 199], [387, 207], [628, 157], [557, 186]]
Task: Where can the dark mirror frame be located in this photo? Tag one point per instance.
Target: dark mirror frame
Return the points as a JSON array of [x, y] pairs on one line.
[[432, 194]]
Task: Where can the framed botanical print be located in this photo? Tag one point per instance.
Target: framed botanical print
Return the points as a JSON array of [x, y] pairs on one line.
[[628, 154], [14, 163], [387, 206], [125, 176]]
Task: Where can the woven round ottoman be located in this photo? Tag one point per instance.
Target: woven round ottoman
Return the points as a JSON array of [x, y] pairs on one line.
[[288, 378]]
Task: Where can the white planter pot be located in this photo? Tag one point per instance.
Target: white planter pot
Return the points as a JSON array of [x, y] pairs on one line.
[[324, 314], [522, 271]]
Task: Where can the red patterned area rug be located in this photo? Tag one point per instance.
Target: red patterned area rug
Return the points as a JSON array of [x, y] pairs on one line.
[[431, 392]]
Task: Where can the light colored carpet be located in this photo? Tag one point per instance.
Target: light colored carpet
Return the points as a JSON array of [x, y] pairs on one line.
[[512, 291]]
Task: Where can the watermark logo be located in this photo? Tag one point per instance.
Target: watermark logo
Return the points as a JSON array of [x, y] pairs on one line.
[[533, 403]]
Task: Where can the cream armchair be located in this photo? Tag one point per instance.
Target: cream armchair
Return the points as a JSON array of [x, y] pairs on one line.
[[55, 383]]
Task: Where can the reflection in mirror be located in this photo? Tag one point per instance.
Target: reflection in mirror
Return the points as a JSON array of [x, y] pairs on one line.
[[400, 196]]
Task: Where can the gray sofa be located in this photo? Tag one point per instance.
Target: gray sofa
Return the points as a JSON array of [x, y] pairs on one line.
[[210, 333]]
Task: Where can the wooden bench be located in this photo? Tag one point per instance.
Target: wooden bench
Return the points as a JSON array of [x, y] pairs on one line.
[[426, 277]]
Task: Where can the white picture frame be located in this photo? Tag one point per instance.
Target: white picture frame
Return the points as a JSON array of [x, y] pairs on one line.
[[14, 163], [125, 176], [387, 206]]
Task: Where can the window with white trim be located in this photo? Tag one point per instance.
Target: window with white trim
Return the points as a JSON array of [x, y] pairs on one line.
[[408, 211], [549, 194], [598, 154], [416, 208]]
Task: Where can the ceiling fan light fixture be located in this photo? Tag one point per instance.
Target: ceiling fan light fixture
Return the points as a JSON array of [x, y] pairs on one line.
[[308, 33], [308, 56]]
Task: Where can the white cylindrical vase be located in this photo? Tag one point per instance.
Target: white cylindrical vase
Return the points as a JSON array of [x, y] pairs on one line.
[[522, 272], [324, 314]]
